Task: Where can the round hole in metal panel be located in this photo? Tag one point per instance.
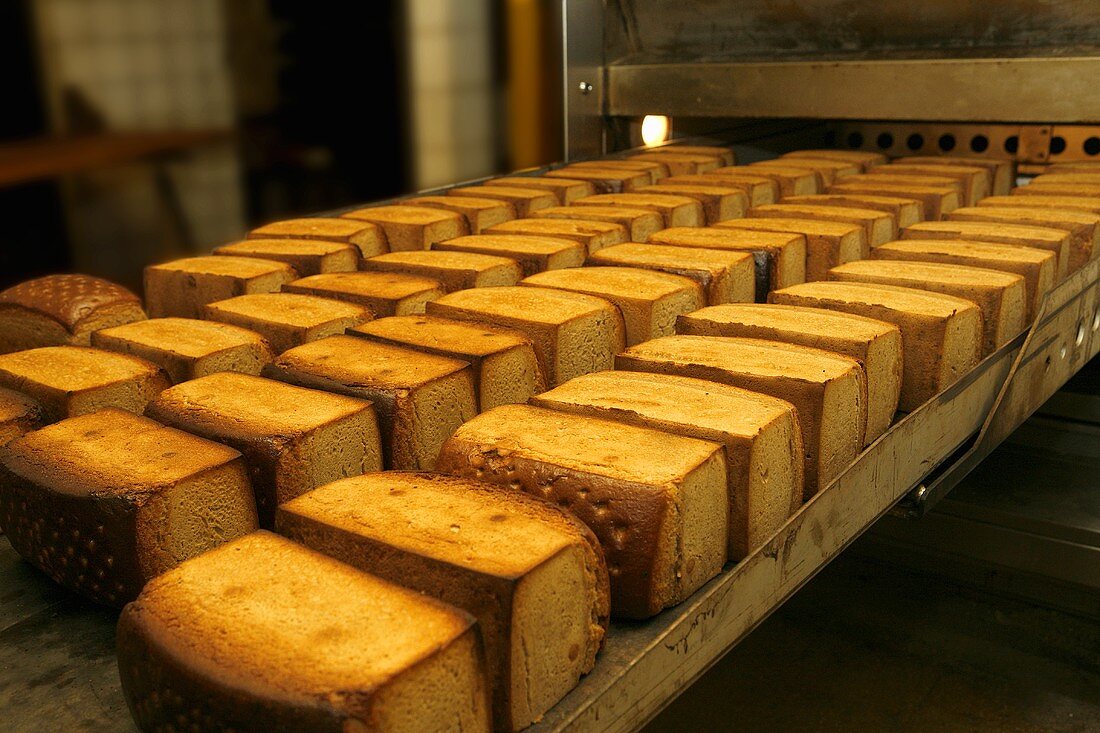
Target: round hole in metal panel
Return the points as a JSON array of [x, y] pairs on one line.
[[979, 143], [915, 141], [855, 139], [947, 142], [830, 138], [1012, 143], [885, 140], [1091, 146], [1057, 145]]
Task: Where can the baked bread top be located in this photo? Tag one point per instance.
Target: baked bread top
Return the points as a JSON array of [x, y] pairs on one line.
[[630, 283], [910, 300], [355, 361], [715, 238], [71, 369], [442, 334], [390, 285], [561, 228], [241, 267], [70, 300], [398, 214], [813, 320], [449, 260], [188, 337], [321, 227], [258, 247], [303, 311], [539, 305]]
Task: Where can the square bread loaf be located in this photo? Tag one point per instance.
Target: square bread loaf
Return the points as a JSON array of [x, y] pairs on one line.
[[594, 235], [419, 398], [1084, 227], [604, 180], [1052, 188], [264, 634], [876, 345], [759, 189], [779, 258], [1090, 177], [534, 254], [1002, 169], [878, 226], [480, 212], [453, 270], [977, 181], [1069, 203], [572, 333], [656, 501], [760, 433], [19, 414], [941, 335], [675, 211], [828, 390], [306, 256], [718, 203], [565, 190], [904, 211], [411, 228], [887, 175], [828, 243], [937, 200], [865, 159], [829, 169], [655, 170], [648, 300], [187, 348], [369, 238], [532, 574], [293, 439], [523, 200], [679, 162], [723, 153], [639, 223], [792, 181], [59, 310], [1002, 296], [101, 503], [725, 276], [382, 293], [181, 288], [505, 368], [287, 320], [75, 380], [1038, 267], [1055, 240]]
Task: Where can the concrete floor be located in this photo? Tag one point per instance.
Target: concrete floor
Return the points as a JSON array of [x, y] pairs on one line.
[[868, 646]]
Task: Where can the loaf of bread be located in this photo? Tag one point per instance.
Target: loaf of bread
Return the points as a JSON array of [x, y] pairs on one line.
[[306, 256], [523, 199], [726, 276], [287, 320], [419, 398], [977, 180], [59, 310], [878, 226], [1083, 227], [655, 170], [1088, 178], [681, 163], [759, 189], [889, 175], [533, 253], [1003, 170], [941, 335], [792, 181], [480, 212], [1038, 267], [639, 223], [649, 301], [604, 180], [1002, 296], [181, 288], [266, 635], [721, 152], [101, 503], [862, 158], [1081, 190], [719, 203], [1054, 240], [795, 171], [19, 414], [572, 333], [187, 348], [410, 228], [75, 380], [904, 211], [937, 200], [760, 433], [828, 390], [594, 235], [532, 574], [675, 211], [382, 293], [656, 501], [369, 238], [876, 345], [453, 270], [779, 258], [828, 243], [1074, 166], [505, 368], [293, 439], [565, 190], [1066, 203], [827, 168]]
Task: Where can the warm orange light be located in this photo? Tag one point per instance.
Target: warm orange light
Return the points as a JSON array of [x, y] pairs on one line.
[[655, 129]]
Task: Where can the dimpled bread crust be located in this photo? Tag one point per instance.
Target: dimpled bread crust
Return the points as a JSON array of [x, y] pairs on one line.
[[369, 238], [1002, 296], [383, 293], [187, 348], [760, 433], [649, 301], [532, 574], [656, 501], [534, 254], [941, 335], [594, 235], [306, 256], [1055, 240], [675, 211], [287, 320], [18, 415], [876, 345], [828, 243], [75, 380], [454, 270], [62, 309], [293, 439], [182, 287], [264, 634], [878, 226], [572, 333], [905, 211], [725, 276], [828, 390], [102, 503], [639, 223], [411, 228], [1084, 228], [419, 398], [505, 368]]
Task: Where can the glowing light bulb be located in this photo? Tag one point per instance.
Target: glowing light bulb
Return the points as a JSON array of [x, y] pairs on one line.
[[655, 129]]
